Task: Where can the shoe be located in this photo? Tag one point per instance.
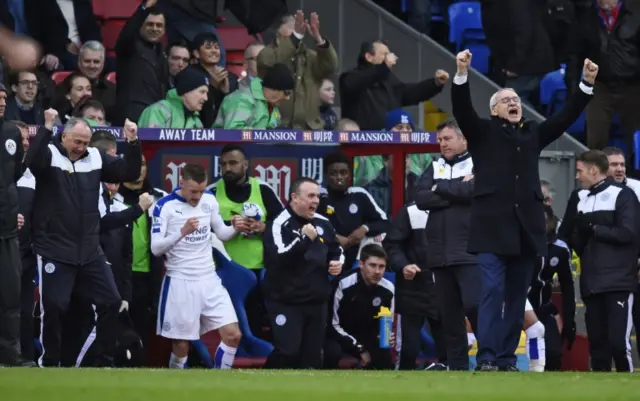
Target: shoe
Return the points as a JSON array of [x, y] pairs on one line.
[[509, 368], [486, 367], [437, 367], [18, 362]]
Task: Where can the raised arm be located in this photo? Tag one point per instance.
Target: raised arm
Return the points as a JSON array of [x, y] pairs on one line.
[[38, 158], [126, 169], [552, 128], [470, 123], [125, 44]]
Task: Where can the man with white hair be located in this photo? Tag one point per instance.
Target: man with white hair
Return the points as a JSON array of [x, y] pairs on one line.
[[507, 229]]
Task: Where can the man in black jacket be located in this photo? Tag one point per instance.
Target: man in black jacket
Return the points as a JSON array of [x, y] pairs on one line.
[[356, 301], [507, 216], [608, 32], [605, 237], [371, 90], [444, 190], [67, 222], [11, 156], [142, 67], [300, 249], [406, 245], [352, 211]]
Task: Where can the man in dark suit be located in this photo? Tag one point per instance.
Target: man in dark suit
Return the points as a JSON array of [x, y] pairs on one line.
[[507, 213]]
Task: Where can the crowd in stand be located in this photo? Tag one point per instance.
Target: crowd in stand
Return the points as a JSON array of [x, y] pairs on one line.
[[289, 83]]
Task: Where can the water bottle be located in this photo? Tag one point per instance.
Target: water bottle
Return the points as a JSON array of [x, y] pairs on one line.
[[251, 210], [386, 326]]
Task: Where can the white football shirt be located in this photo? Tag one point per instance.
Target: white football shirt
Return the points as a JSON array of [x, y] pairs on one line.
[[188, 257]]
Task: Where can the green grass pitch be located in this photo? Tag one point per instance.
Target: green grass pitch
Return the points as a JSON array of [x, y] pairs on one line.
[[263, 385]]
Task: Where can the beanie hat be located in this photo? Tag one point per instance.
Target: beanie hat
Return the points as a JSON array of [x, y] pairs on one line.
[[2, 88], [190, 79], [279, 77], [398, 116]]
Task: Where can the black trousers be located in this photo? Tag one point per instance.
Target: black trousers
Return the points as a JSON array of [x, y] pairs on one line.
[[458, 293], [95, 285], [10, 275], [636, 318], [27, 303], [552, 338], [381, 358], [608, 320], [141, 306], [256, 310], [410, 337], [298, 335]]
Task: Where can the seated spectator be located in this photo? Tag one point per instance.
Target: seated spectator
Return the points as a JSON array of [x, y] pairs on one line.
[[75, 87], [91, 63], [91, 110], [327, 94], [181, 108], [142, 67], [251, 63], [23, 105], [190, 18], [346, 125], [302, 111], [353, 307], [61, 26], [256, 106], [206, 50], [369, 91], [179, 59]]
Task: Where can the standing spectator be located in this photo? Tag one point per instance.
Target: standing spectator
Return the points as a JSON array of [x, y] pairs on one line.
[[300, 248], [91, 63], [257, 106], [605, 237], [251, 63], [507, 215], [309, 67], [190, 18], [327, 94], [179, 58], [369, 91], [66, 226], [445, 190], [73, 90], [61, 26], [520, 47], [23, 105], [11, 157], [182, 106], [142, 68], [206, 50], [416, 303], [354, 304], [608, 32]]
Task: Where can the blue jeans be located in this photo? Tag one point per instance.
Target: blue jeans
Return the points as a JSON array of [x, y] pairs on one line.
[[181, 25], [505, 280]]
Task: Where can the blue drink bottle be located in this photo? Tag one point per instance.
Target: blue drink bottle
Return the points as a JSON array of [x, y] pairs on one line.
[[386, 326]]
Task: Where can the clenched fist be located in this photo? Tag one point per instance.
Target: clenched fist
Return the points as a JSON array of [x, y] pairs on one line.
[[463, 62], [50, 118], [590, 71], [145, 201], [335, 267], [390, 60], [190, 226], [442, 77], [130, 130], [310, 231]]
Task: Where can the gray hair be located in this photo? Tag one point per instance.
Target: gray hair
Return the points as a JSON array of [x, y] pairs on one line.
[[73, 122], [92, 45], [494, 98]]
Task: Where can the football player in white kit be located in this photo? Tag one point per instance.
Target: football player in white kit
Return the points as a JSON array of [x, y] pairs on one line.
[[193, 300]]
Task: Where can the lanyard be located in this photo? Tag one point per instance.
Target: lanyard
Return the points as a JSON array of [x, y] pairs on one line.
[[610, 18]]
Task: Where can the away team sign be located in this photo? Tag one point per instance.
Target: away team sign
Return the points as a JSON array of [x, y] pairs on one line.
[[271, 164]]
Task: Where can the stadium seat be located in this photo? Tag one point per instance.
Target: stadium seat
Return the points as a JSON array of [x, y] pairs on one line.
[[111, 77], [114, 9], [465, 23], [550, 84], [239, 70], [234, 37], [235, 57], [636, 150], [59, 76], [110, 31], [239, 281], [481, 52]]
